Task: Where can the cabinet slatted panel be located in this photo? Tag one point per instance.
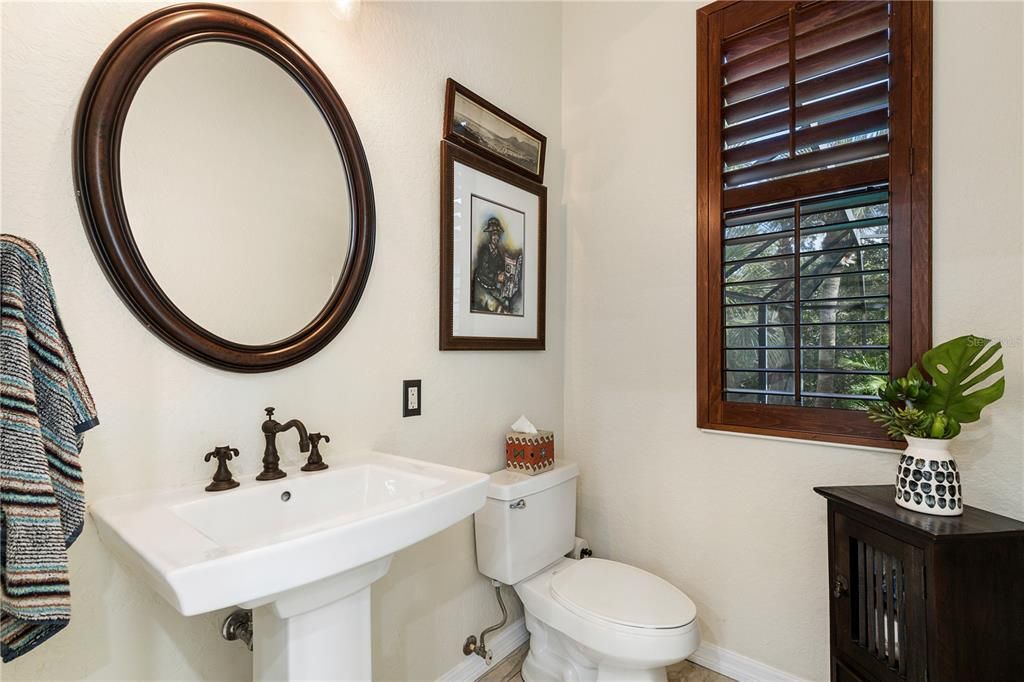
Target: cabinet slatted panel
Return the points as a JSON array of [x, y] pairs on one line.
[[879, 596]]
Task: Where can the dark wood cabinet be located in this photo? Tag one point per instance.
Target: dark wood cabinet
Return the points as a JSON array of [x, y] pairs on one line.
[[917, 597]]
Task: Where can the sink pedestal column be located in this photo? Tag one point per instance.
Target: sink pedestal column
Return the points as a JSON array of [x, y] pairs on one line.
[[318, 632]]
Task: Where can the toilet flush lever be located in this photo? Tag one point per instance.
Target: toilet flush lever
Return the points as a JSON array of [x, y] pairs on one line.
[[518, 504]]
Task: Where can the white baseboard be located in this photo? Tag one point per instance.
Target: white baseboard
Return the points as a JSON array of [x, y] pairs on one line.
[[737, 666], [711, 656], [507, 640]]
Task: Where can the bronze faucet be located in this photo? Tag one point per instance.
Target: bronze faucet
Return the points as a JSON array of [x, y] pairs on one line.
[[271, 460]]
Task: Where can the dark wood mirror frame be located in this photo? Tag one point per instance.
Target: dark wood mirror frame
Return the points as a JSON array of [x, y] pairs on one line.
[[101, 114]]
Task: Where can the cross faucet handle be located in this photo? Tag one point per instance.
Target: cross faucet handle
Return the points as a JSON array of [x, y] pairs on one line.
[[222, 479], [316, 461], [222, 452], [269, 411]]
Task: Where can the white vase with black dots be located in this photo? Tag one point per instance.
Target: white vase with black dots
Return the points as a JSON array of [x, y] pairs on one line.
[[928, 480]]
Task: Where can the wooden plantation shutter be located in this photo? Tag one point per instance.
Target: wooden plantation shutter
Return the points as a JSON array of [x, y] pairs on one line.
[[814, 129]]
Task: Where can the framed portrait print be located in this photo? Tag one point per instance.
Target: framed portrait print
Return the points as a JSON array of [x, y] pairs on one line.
[[493, 255], [474, 123]]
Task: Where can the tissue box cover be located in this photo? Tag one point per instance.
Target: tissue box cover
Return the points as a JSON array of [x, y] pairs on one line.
[[529, 453]]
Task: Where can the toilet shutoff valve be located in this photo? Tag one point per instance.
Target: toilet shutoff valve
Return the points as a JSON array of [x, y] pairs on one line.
[[471, 647]]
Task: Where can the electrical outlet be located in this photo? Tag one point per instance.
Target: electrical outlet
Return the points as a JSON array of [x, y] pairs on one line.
[[412, 397]]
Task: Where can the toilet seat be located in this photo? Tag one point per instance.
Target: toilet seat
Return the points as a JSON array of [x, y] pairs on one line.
[[624, 595], [574, 637]]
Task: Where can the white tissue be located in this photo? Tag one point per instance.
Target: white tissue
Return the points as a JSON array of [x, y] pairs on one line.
[[523, 425]]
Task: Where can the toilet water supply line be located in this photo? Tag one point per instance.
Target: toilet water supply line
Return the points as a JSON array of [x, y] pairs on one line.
[[580, 550], [471, 646]]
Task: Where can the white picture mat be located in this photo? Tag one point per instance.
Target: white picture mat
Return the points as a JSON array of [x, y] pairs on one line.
[[467, 182]]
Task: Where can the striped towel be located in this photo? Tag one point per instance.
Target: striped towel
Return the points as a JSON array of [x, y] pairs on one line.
[[46, 407]]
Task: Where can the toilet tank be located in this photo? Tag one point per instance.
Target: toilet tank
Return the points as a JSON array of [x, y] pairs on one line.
[[527, 523]]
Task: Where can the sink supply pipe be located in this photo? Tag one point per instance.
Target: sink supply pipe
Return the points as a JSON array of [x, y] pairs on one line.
[[471, 646]]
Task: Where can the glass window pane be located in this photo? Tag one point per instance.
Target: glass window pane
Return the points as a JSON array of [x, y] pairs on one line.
[[776, 246], [859, 198], [746, 228], [811, 218], [816, 241], [761, 269], [835, 286], [761, 313], [760, 381], [748, 380], [856, 259], [773, 358], [847, 206], [827, 385], [830, 335], [758, 336], [845, 311], [765, 291], [846, 358]]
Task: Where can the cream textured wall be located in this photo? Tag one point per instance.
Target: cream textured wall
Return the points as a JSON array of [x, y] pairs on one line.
[[732, 520], [161, 411]]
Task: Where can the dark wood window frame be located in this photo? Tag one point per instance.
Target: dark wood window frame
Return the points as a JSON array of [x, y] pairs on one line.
[[908, 172]]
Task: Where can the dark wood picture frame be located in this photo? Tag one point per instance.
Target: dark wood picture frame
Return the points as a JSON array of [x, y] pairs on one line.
[[100, 119], [908, 171], [449, 133], [450, 154]]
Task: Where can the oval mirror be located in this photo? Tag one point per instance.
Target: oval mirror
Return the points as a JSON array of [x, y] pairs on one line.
[[266, 223], [224, 188]]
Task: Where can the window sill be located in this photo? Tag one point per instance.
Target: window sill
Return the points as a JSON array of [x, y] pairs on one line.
[[801, 441]]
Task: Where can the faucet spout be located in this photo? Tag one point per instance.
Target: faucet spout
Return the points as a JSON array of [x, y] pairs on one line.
[[271, 460], [303, 434]]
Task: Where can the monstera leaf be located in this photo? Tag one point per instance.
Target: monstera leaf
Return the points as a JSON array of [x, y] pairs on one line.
[[957, 368]]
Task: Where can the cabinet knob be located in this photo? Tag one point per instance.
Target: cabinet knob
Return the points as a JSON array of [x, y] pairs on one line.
[[840, 587]]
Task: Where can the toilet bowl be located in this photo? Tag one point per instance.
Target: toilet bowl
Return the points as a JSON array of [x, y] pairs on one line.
[[589, 619], [594, 619]]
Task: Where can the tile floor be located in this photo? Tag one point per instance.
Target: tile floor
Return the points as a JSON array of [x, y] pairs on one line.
[[509, 670]]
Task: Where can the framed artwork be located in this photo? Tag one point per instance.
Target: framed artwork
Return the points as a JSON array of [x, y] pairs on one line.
[[493, 255], [478, 125]]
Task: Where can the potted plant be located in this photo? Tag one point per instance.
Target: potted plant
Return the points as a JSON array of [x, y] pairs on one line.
[[927, 409]]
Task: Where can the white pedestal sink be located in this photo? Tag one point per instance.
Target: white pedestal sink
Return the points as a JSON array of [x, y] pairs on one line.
[[301, 551]]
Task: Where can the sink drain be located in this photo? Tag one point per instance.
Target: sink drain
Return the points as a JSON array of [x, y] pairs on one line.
[[285, 496]]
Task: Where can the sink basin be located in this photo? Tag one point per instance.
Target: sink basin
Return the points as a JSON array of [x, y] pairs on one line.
[[316, 501], [301, 551]]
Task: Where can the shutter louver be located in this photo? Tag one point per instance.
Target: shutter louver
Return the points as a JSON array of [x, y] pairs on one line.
[[808, 91]]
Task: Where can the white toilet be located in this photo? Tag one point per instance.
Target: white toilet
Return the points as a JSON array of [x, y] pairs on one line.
[[589, 619]]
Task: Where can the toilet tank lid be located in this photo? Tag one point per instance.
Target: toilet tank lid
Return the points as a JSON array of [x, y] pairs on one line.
[[511, 485]]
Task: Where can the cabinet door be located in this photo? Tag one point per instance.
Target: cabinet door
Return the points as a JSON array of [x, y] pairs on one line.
[[877, 602]]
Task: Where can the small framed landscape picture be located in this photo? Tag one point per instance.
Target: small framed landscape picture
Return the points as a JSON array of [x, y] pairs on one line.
[[493, 255], [478, 125]]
